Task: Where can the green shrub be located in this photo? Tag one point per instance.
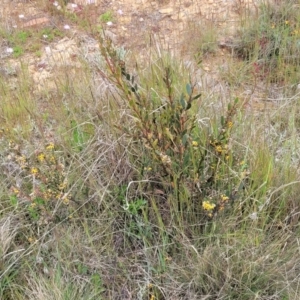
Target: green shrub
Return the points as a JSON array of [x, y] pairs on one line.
[[191, 165]]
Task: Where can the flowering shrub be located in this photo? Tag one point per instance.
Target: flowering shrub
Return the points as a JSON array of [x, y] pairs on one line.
[[190, 163]]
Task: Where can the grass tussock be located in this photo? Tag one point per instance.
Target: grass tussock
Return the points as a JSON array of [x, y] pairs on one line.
[[153, 187]]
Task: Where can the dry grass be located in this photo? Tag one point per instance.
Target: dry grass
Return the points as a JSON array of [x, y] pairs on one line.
[[97, 201]]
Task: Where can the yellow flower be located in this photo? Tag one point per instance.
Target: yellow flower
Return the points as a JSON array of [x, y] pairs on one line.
[[224, 198], [66, 199], [219, 149], [22, 159], [16, 191], [194, 143], [229, 124], [33, 205], [62, 185], [287, 22], [50, 146], [30, 240], [52, 159], [208, 206], [41, 157], [34, 171]]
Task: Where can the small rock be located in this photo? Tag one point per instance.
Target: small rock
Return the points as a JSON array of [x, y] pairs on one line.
[[167, 10]]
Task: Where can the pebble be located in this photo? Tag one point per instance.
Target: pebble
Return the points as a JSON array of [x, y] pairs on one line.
[[167, 10]]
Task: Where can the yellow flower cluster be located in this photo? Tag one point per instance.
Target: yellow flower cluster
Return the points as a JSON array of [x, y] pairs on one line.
[[222, 149], [22, 161], [208, 205], [15, 191], [63, 185], [66, 199], [223, 202], [50, 146], [219, 149], [34, 171], [41, 157]]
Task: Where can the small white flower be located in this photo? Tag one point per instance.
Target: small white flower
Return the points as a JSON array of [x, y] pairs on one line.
[[48, 50], [9, 50], [109, 23], [45, 36], [67, 27], [55, 3], [120, 12], [21, 16], [73, 5], [253, 216]]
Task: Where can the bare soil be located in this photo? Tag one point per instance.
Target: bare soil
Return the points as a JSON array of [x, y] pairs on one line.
[[174, 24]]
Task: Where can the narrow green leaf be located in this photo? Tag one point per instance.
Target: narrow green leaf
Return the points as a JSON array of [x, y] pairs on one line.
[[196, 97], [222, 121], [189, 89]]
